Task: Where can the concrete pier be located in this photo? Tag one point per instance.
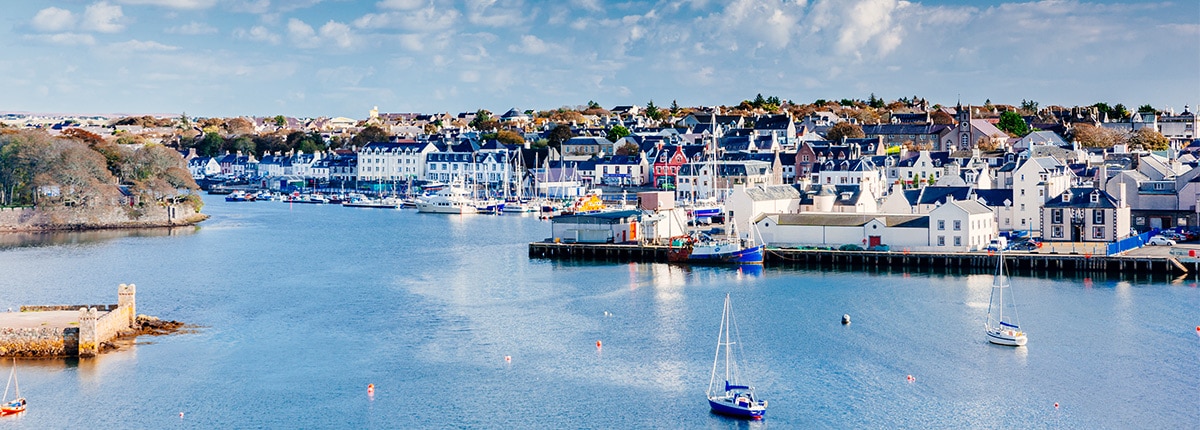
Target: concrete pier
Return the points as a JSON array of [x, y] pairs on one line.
[[66, 330], [983, 262]]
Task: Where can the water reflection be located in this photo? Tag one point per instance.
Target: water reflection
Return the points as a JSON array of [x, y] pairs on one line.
[[55, 238]]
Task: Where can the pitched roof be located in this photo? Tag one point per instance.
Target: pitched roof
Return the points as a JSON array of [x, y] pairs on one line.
[[1081, 197], [772, 192]]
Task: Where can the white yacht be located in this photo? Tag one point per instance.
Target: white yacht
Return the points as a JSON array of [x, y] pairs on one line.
[[452, 199]]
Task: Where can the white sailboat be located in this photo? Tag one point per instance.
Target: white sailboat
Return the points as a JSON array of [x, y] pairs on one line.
[[730, 397], [17, 404], [1002, 326]]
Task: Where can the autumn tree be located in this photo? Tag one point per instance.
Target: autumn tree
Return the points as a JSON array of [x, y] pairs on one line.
[[844, 130], [1012, 123], [629, 148], [239, 126], [158, 173], [509, 137], [1148, 139], [941, 117], [1091, 136]]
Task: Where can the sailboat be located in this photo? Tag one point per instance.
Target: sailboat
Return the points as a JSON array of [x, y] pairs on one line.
[[729, 396], [1002, 326], [17, 404]]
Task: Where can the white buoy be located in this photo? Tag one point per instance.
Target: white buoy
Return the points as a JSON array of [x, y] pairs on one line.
[[845, 318]]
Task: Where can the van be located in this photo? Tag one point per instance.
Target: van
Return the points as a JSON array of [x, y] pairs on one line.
[[998, 244]]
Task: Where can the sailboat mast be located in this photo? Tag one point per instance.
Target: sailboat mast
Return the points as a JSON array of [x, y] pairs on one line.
[[725, 326]]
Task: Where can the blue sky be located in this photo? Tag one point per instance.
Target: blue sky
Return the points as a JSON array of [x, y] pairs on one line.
[[341, 57]]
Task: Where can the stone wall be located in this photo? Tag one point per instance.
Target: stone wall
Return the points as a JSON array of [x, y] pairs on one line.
[[39, 342], [97, 324], [74, 218]]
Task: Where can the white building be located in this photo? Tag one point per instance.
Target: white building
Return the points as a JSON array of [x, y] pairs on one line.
[[747, 203], [391, 161], [965, 225], [1035, 181]]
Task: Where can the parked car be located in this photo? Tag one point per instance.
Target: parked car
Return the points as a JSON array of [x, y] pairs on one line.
[[1025, 245], [1159, 240], [880, 248], [1178, 237], [850, 247]]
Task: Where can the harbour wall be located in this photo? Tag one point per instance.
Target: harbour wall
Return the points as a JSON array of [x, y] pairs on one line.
[[76, 218], [96, 325], [981, 262]]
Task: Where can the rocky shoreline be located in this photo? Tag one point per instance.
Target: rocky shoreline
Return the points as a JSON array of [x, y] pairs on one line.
[[32, 220], [145, 325]]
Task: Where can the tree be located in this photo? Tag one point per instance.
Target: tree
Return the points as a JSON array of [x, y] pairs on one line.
[[1148, 139], [674, 108], [616, 133], [210, 145], [1147, 109], [510, 137], [875, 102], [559, 134], [81, 135], [629, 148], [941, 117], [842, 130], [1013, 124], [372, 133], [653, 112], [1091, 136], [280, 121], [239, 126], [483, 120]]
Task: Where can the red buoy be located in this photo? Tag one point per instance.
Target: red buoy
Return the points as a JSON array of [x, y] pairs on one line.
[[508, 358], [1055, 405], [370, 389], [598, 344], [911, 378]]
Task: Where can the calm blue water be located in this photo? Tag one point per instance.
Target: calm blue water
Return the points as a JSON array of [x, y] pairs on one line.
[[303, 306]]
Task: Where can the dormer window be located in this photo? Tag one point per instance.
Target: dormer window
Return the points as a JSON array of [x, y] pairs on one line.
[[1095, 197], [1066, 197]]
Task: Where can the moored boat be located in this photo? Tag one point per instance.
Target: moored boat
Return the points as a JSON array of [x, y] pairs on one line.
[[449, 200], [15, 405], [1002, 326], [731, 397], [704, 249]]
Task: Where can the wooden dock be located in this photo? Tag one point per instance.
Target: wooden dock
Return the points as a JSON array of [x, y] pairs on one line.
[[981, 262]]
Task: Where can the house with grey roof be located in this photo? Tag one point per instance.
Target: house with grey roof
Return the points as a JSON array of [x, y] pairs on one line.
[[746, 203], [1084, 215]]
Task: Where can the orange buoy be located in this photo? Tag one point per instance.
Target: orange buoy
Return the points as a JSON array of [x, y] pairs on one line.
[[1198, 328], [181, 415], [508, 358], [598, 344], [911, 378], [370, 388]]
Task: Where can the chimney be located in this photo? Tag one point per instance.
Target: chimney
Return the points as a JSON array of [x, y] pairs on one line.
[[1121, 196]]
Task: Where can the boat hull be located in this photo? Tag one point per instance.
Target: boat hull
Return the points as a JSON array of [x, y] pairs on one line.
[[752, 255], [732, 410], [1006, 338], [450, 209]]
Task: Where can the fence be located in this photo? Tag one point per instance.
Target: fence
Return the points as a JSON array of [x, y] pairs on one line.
[[1131, 242]]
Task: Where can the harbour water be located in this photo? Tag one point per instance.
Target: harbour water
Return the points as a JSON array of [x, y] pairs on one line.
[[302, 306]]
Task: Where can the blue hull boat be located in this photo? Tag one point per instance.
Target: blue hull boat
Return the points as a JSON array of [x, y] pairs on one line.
[[728, 409], [731, 398]]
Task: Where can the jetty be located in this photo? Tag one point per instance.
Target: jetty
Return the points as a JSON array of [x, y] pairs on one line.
[[1019, 262], [67, 330]]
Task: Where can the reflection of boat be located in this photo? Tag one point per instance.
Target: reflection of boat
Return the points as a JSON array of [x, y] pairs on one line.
[[731, 398], [702, 248], [17, 404], [1002, 326], [453, 199]]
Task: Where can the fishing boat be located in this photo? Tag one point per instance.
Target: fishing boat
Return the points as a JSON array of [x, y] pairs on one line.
[[453, 199], [240, 196], [1002, 326], [728, 395], [17, 404], [702, 248], [367, 202]]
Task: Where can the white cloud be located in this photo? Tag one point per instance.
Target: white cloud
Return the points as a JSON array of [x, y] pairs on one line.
[[400, 4], [68, 39], [426, 20], [302, 34], [193, 29], [104, 18], [865, 25], [138, 45], [345, 75], [254, 7], [532, 45], [468, 76], [174, 4], [257, 33], [338, 33], [53, 19], [488, 13]]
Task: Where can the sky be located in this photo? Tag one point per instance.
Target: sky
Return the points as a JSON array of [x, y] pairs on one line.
[[310, 58]]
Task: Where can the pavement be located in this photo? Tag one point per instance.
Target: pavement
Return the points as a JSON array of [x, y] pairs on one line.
[[57, 319]]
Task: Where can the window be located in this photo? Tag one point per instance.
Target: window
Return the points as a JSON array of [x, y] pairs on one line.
[[1056, 231], [957, 241], [1098, 216], [1056, 216], [1097, 232], [957, 225], [1022, 191], [941, 241], [941, 224]]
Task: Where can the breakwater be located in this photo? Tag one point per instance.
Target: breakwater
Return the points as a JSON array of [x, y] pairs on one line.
[[67, 330], [28, 219], [983, 262]]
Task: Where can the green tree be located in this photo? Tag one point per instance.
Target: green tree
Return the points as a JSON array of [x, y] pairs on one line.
[[1147, 109], [875, 102], [1029, 106], [483, 120], [210, 145], [653, 112], [842, 130], [616, 133], [372, 133], [674, 108], [1012, 123], [280, 121]]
